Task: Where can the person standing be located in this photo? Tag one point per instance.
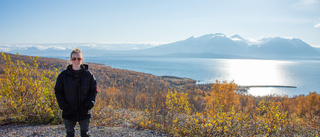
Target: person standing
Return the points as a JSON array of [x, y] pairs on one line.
[[76, 90]]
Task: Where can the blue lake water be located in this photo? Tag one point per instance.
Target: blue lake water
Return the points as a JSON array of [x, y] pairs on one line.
[[304, 74]]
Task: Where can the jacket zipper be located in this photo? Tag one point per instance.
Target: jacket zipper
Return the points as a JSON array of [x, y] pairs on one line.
[[78, 98]]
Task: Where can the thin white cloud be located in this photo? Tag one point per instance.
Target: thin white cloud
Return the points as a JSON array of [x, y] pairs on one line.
[[4, 49], [90, 45], [252, 41], [59, 48], [40, 47], [317, 25], [134, 43], [66, 46], [306, 5], [309, 1], [8, 48], [22, 46]]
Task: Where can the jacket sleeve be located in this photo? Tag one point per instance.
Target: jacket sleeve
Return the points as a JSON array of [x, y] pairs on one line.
[[59, 92], [92, 93]]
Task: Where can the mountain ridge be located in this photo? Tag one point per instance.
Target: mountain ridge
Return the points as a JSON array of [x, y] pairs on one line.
[[217, 44]]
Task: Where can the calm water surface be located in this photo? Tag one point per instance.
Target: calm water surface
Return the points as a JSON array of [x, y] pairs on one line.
[[304, 74]]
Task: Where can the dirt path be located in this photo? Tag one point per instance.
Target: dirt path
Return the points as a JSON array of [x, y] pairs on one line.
[[59, 131]]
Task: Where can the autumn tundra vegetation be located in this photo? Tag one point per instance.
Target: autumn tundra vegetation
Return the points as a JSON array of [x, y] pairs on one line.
[[175, 106]]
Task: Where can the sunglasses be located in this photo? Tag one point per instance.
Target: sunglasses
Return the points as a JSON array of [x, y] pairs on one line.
[[74, 59]]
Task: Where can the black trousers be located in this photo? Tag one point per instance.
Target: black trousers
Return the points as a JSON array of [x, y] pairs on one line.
[[84, 127]]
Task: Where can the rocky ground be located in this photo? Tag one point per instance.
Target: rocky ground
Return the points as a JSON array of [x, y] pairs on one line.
[[59, 131]]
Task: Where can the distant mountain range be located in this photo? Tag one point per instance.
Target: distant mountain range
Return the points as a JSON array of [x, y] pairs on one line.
[[64, 49], [318, 49], [215, 45], [221, 46]]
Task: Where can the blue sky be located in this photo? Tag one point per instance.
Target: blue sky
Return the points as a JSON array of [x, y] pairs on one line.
[[155, 21]]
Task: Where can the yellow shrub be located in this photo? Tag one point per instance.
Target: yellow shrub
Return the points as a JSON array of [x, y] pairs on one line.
[[27, 92], [223, 94]]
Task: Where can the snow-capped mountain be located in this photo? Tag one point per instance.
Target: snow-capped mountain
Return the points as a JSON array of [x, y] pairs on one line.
[[282, 47], [220, 45], [211, 43]]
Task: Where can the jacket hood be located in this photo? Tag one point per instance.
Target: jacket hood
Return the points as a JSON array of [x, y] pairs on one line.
[[83, 66]]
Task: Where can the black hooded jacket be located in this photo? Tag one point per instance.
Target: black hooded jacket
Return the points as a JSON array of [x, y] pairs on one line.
[[76, 93]]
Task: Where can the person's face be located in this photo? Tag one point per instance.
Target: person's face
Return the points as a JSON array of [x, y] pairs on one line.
[[76, 59]]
